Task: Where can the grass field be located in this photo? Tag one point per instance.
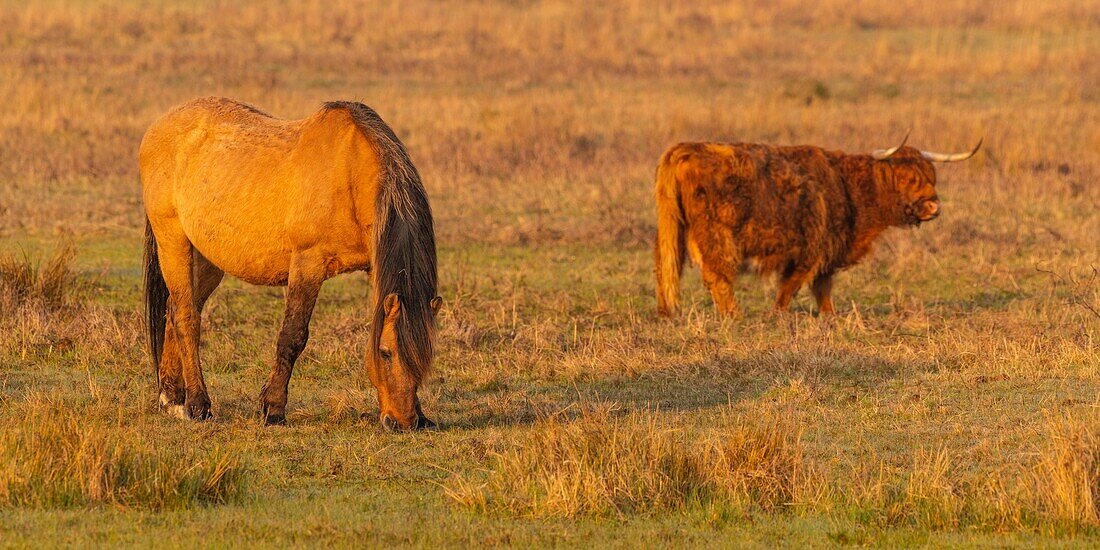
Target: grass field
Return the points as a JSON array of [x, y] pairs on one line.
[[952, 400]]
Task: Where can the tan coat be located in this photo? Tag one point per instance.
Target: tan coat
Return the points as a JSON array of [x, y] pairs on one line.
[[230, 189]]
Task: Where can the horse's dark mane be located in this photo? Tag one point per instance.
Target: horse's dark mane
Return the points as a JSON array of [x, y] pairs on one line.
[[404, 244]]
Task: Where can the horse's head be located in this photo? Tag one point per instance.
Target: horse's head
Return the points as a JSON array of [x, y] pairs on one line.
[[401, 354]]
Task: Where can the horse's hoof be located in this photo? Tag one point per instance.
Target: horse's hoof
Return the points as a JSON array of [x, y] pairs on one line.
[[198, 409], [274, 420], [426, 424], [178, 411], [390, 424]]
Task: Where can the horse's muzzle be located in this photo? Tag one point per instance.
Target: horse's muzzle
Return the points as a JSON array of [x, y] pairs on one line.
[[421, 423]]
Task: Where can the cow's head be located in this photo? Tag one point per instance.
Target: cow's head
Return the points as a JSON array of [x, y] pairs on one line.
[[908, 180]]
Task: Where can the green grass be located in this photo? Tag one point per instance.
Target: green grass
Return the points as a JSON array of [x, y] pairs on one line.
[[529, 332], [952, 401]]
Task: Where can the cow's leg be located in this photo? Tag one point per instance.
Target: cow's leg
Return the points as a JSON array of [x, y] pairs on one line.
[[822, 288], [172, 394], [301, 295], [789, 284], [176, 256], [719, 280], [717, 258]]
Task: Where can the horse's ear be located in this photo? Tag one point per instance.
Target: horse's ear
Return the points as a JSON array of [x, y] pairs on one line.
[[436, 303], [392, 304]]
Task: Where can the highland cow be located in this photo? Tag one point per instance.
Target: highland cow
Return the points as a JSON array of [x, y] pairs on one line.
[[801, 212]]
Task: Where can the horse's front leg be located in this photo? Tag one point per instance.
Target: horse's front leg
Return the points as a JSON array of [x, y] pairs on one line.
[[301, 295]]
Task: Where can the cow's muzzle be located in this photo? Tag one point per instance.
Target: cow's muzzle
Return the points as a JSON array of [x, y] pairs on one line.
[[923, 211], [928, 211]]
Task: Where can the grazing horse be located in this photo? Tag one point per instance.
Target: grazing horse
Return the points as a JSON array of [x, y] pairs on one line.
[[230, 189]]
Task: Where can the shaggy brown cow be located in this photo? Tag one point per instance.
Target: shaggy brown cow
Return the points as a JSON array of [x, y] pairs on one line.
[[801, 212]]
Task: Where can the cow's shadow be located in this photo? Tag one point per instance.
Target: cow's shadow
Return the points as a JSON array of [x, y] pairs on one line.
[[719, 380]]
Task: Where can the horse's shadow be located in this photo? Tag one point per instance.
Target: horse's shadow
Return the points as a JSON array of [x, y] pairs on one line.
[[722, 378]]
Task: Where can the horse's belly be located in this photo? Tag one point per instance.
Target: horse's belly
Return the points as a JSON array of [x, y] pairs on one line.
[[254, 252], [258, 245]]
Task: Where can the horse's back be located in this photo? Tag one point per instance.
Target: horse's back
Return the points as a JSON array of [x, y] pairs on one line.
[[197, 127], [249, 190]]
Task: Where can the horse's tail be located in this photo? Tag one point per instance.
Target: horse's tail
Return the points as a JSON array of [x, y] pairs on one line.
[[669, 249], [156, 299]]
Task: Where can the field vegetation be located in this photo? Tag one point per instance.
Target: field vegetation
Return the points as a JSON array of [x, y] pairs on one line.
[[953, 399]]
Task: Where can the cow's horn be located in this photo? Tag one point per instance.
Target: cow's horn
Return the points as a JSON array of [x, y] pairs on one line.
[[881, 154], [951, 157]]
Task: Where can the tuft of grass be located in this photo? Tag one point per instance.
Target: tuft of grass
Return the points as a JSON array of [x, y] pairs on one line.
[[594, 466], [925, 494], [536, 127], [1066, 480], [931, 493], [53, 458], [25, 281]]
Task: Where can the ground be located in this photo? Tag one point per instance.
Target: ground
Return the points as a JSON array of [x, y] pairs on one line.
[[958, 380]]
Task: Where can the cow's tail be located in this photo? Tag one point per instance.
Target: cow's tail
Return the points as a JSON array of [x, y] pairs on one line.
[[669, 249], [156, 300]]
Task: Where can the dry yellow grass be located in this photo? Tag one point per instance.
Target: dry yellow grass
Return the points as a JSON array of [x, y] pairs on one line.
[[54, 456], [497, 100], [924, 407], [24, 281], [1067, 477], [596, 465]]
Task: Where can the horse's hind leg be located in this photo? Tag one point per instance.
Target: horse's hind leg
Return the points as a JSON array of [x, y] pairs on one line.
[[301, 295], [207, 278], [171, 373], [177, 262]]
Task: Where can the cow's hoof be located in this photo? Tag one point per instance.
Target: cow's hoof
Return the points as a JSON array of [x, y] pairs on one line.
[[274, 420]]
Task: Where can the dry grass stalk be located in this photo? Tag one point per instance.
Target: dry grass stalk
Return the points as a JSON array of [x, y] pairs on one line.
[[24, 281], [1066, 481], [599, 467], [54, 457]]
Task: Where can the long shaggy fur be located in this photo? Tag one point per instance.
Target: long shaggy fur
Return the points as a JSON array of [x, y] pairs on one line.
[[404, 245], [800, 212], [669, 250]]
